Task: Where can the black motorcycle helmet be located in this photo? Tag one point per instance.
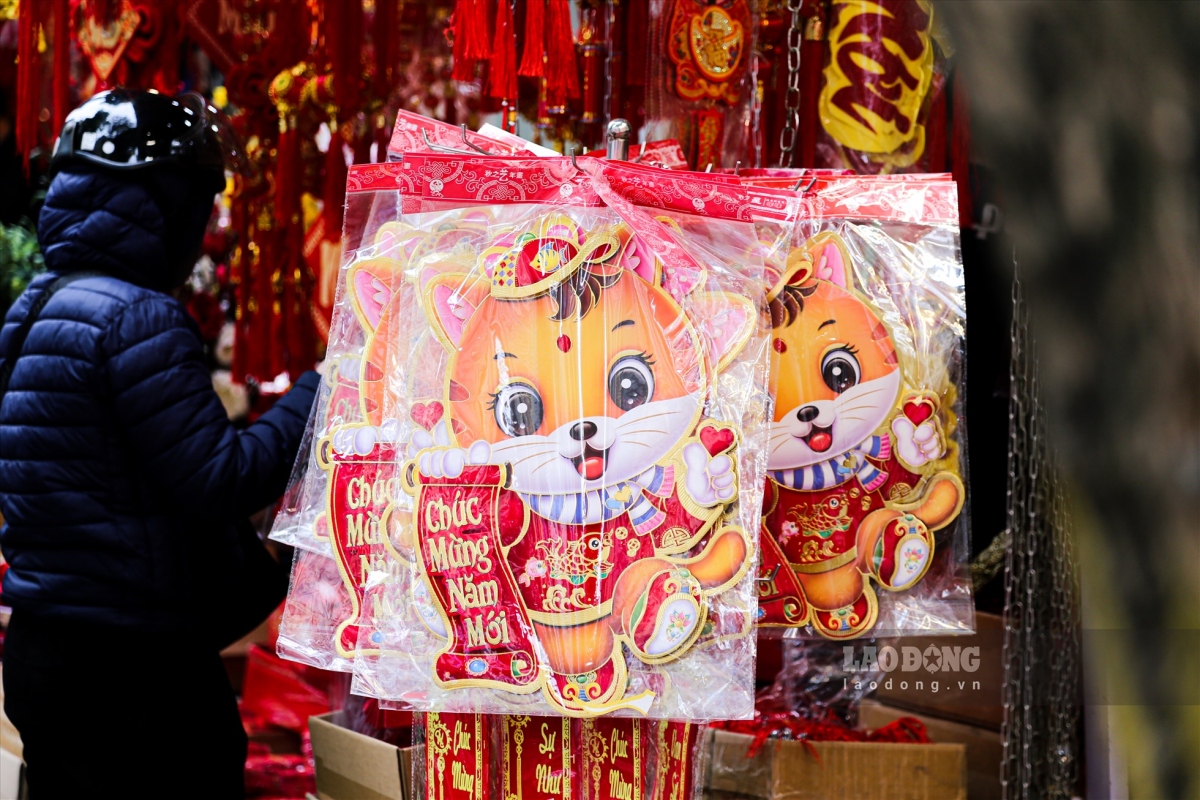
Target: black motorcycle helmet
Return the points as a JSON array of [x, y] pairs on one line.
[[128, 129], [176, 149]]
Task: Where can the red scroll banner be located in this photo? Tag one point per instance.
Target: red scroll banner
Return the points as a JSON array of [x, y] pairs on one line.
[[458, 522], [457, 757], [537, 758], [614, 756], [361, 487], [676, 750]]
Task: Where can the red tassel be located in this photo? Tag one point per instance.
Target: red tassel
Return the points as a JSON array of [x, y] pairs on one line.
[[960, 151], [638, 27], [334, 194], [466, 30], [934, 157], [62, 63], [287, 173], [480, 44], [562, 72], [29, 77], [533, 55], [812, 61], [502, 69], [386, 46], [343, 45]]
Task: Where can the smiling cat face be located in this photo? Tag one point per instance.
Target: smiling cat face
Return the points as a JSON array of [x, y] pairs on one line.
[[834, 371], [582, 399]]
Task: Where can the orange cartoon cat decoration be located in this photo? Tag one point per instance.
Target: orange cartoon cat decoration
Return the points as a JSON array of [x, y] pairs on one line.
[[572, 504], [859, 470]]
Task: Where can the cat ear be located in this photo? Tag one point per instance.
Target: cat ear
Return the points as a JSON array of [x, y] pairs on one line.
[[450, 300], [831, 260], [725, 322], [372, 285]]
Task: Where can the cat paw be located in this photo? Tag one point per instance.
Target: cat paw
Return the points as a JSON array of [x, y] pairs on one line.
[[710, 479], [917, 444], [446, 462]]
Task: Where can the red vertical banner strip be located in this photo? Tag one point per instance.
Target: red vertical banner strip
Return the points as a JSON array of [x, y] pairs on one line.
[[676, 748], [361, 489], [458, 525], [457, 757], [538, 758], [615, 754]]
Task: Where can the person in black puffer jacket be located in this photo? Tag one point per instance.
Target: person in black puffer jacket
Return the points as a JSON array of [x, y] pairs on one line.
[[121, 479]]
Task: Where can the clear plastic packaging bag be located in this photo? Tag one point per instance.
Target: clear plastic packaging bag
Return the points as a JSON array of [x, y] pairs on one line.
[[570, 557], [368, 313], [864, 531]]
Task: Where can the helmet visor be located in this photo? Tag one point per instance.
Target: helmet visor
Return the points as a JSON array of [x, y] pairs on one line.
[[220, 137]]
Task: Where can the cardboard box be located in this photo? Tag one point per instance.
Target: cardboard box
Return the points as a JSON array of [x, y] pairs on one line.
[[351, 766], [980, 705], [785, 770], [984, 746]]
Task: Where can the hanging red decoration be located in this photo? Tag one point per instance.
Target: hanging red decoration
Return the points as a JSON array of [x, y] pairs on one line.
[[471, 44], [48, 20], [105, 32], [562, 72], [502, 68], [533, 55]]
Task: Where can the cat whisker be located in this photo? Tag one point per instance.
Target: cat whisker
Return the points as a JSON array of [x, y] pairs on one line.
[[544, 464], [640, 430], [549, 450], [652, 416]]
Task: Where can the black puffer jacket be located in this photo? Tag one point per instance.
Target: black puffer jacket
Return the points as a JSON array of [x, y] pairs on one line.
[[120, 475]]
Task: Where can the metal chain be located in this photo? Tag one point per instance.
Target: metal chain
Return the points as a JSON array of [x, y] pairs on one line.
[[1041, 622], [791, 101]]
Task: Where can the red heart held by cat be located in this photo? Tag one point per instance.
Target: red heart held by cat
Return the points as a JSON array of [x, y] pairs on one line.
[[716, 440], [427, 414], [918, 411]]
